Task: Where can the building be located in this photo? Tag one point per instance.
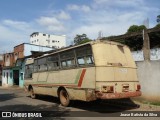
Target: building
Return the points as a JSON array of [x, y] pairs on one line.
[[14, 63], [54, 41], [1, 65]]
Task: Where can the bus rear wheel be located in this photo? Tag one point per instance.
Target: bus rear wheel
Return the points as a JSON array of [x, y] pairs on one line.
[[32, 94], [64, 98]]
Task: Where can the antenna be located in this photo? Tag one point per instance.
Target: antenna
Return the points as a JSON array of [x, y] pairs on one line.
[[146, 23], [100, 34]]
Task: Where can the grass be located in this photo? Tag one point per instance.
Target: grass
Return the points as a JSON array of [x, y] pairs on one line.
[[155, 103], [152, 103]]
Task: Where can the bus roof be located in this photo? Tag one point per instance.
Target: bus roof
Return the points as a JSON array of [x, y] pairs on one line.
[[76, 46]]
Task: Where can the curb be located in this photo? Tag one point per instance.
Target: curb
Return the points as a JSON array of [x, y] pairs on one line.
[[11, 88]]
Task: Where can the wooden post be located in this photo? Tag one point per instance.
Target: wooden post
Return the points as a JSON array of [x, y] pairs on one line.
[[146, 45]]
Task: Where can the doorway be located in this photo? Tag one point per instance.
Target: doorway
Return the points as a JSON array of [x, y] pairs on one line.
[[16, 77]]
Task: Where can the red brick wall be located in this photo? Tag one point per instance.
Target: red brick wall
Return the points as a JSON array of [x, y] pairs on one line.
[[19, 50]]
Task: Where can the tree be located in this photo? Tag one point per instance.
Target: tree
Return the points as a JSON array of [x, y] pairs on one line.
[[155, 38], [135, 42], [136, 28], [157, 26], [80, 39]]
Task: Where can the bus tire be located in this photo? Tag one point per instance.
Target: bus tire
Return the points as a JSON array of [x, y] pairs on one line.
[[32, 94], [64, 98]]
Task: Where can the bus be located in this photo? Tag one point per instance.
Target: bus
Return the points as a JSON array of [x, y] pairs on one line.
[[86, 72]]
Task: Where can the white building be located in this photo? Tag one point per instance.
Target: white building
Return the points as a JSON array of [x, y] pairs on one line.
[[54, 41]]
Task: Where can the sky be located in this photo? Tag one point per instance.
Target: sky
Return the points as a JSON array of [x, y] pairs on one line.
[[20, 18]]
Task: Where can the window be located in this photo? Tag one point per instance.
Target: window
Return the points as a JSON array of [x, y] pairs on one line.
[[81, 61], [28, 71], [41, 64], [53, 62], [68, 63], [67, 59], [35, 65], [89, 60], [84, 55], [44, 34], [64, 64], [53, 66]]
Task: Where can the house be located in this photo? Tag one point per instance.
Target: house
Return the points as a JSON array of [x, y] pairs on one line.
[[1, 65], [14, 63]]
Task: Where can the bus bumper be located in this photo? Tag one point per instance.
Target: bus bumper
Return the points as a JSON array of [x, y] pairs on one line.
[[101, 95]]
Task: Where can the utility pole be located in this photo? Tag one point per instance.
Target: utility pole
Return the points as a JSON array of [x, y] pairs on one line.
[[146, 45]]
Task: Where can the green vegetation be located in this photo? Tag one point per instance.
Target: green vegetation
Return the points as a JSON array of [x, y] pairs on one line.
[[135, 42], [151, 103], [155, 103], [80, 39]]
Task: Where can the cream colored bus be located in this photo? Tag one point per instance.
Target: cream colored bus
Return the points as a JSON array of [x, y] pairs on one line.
[[95, 70]]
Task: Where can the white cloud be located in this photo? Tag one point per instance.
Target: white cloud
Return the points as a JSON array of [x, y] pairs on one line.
[[85, 8], [64, 16], [74, 7], [51, 24], [16, 24], [120, 2], [46, 21]]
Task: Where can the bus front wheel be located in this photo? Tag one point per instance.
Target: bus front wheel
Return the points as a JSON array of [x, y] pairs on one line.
[[32, 94], [64, 98]]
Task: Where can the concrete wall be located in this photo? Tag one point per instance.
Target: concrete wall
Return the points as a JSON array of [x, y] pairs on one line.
[[149, 77], [149, 74]]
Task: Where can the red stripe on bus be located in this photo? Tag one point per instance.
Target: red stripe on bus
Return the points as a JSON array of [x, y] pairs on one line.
[[81, 77]]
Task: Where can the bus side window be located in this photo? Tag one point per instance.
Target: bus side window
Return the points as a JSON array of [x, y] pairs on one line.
[[28, 71], [35, 65], [67, 59], [70, 63], [84, 56], [89, 60], [64, 64], [53, 62], [81, 61], [42, 64]]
